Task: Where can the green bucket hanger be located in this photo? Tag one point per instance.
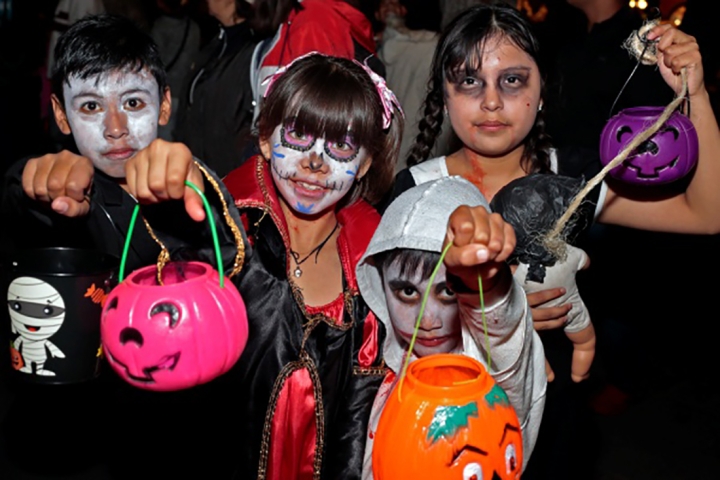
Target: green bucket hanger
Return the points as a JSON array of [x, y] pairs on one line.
[[213, 230]]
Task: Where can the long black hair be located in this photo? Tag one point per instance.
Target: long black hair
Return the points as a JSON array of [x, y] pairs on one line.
[[461, 44]]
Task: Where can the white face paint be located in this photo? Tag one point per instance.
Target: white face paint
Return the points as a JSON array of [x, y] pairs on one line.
[[112, 116], [440, 326], [313, 174]]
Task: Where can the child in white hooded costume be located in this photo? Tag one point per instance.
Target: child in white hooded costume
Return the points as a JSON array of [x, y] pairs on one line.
[[392, 277]]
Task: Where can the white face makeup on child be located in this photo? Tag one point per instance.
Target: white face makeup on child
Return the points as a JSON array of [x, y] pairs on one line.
[[313, 174], [440, 326], [112, 116]]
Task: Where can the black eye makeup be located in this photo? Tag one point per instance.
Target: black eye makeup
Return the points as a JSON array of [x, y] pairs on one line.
[[291, 138], [344, 151]]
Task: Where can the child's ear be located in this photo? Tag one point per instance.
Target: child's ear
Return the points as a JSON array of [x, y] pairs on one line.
[[165, 107], [364, 168], [265, 148], [60, 116]]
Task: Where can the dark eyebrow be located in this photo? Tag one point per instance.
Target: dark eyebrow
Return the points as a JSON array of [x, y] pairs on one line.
[[471, 448], [508, 427], [518, 67], [398, 283], [137, 90], [85, 93], [442, 286]]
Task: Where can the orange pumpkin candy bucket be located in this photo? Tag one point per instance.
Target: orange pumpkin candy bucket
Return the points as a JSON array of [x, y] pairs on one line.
[[447, 419]]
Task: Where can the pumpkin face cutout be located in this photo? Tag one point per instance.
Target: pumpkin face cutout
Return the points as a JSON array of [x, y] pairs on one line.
[[448, 420], [183, 333], [665, 157]]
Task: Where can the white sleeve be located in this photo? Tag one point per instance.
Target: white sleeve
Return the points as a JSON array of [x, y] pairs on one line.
[[517, 355]]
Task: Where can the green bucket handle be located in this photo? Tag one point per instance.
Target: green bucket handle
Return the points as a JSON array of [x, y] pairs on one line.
[[213, 230]]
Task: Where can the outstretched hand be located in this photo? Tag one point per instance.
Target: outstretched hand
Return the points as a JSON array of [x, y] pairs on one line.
[[481, 242], [678, 50], [60, 179], [158, 173]]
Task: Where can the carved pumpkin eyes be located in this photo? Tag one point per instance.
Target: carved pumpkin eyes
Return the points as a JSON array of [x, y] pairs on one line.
[[622, 131], [511, 463], [113, 303], [168, 308], [472, 471], [675, 131]]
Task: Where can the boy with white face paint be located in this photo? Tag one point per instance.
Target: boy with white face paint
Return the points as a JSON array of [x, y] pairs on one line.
[[110, 94], [393, 276]]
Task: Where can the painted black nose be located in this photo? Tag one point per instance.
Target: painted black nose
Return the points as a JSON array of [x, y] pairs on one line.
[[129, 334]]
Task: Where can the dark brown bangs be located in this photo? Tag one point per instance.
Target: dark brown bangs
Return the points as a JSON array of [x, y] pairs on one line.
[[464, 41], [410, 261], [466, 60], [324, 98]]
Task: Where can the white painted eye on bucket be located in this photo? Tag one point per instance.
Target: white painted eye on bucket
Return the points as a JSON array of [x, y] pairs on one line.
[[511, 463], [472, 471]]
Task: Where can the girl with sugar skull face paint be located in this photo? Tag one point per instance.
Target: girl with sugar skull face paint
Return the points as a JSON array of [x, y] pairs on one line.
[[328, 154], [314, 174]]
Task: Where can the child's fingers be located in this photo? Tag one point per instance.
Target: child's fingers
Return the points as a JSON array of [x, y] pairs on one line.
[[679, 56], [70, 207], [179, 168], [502, 239], [461, 226], [193, 202], [549, 371], [536, 299], [28, 178], [509, 243], [158, 174], [78, 181], [40, 179], [667, 35], [658, 31], [140, 189]]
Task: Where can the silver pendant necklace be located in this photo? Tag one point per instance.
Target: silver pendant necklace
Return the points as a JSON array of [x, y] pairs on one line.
[[296, 256]]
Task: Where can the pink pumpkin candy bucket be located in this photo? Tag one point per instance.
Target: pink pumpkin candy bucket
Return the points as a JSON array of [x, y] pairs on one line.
[[176, 327]]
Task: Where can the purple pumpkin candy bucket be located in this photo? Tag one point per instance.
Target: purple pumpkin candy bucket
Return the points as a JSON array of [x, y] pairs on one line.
[[667, 156]]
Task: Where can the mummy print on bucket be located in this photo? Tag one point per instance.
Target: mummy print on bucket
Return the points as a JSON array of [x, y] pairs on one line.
[[37, 312]]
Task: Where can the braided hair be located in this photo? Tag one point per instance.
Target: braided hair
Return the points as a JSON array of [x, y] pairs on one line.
[[457, 55]]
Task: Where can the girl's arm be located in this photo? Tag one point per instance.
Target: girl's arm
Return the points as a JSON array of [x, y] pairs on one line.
[[481, 243], [695, 210]]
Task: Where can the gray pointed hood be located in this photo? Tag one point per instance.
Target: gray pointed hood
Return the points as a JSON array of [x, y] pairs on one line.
[[416, 219]]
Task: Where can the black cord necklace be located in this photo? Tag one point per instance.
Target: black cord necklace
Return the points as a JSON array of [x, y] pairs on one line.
[[296, 256]]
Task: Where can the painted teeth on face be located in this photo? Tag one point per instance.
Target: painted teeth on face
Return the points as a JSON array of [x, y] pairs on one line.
[[312, 190]]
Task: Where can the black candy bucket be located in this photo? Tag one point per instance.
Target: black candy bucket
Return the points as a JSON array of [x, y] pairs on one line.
[[54, 301]]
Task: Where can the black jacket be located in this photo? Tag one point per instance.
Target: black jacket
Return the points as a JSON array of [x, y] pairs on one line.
[[216, 106]]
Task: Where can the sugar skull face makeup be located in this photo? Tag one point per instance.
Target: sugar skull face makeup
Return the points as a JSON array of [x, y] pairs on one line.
[[313, 173], [440, 325], [112, 116]]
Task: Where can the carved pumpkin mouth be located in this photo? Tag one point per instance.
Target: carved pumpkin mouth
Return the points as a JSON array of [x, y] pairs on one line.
[[168, 362], [657, 170]]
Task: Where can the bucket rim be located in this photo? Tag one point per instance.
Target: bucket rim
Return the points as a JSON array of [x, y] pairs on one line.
[[106, 264]]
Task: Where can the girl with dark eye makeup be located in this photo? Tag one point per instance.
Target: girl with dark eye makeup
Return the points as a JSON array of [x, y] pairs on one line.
[[486, 81]]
